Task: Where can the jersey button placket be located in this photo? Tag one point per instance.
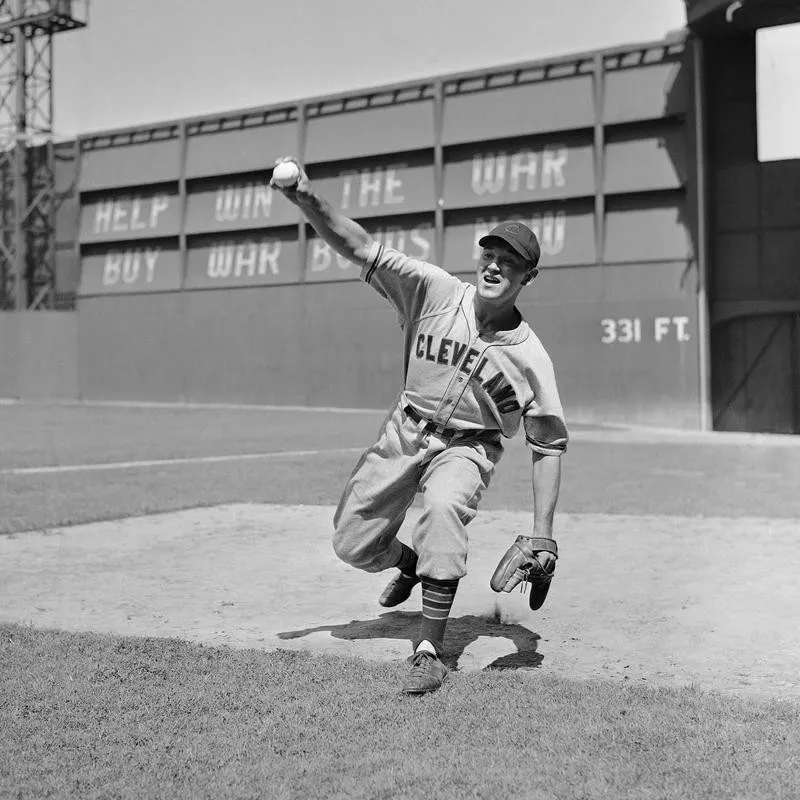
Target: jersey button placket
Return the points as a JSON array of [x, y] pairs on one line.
[[458, 384]]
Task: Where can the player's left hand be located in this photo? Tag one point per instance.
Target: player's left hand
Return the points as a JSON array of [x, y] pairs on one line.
[[527, 560], [547, 560]]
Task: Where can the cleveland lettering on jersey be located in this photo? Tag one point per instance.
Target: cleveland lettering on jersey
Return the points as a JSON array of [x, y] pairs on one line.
[[452, 353]]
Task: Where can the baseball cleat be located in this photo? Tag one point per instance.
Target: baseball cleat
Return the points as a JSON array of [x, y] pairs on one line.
[[398, 590], [427, 673]]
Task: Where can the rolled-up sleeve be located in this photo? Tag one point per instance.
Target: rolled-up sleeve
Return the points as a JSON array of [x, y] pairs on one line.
[[543, 418]]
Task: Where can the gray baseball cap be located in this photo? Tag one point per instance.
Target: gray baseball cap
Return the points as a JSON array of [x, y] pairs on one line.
[[518, 236]]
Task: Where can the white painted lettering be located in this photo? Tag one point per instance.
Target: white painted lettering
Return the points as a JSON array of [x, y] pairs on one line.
[[419, 239], [102, 216], [245, 260], [392, 183], [347, 188], [551, 231], [661, 328], [112, 267], [526, 163], [119, 222], [680, 325], [159, 203], [220, 261], [553, 162], [137, 224], [623, 330], [609, 331], [226, 207], [370, 189], [488, 173], [262, 201], [130, 266], [150, 258], [320, 255], [268, 257]]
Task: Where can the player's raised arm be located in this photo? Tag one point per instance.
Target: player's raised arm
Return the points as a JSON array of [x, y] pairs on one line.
[[344, 235]]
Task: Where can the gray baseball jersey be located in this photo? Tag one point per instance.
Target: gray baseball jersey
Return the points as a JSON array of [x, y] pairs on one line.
[[454, 375]]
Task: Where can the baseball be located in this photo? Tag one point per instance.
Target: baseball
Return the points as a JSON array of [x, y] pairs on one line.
[[286, 174]]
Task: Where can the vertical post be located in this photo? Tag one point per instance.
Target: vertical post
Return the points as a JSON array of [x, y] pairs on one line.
[[438, 170], [76, 251], [20, 171], [183, 200], [795, 356], [599, 161], [703, 327], [302, 231]]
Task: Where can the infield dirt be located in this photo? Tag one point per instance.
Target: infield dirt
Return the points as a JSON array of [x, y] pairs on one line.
[[660, 600]]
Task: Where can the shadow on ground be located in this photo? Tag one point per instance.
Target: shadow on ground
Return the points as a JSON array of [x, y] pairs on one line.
[[461, 632]]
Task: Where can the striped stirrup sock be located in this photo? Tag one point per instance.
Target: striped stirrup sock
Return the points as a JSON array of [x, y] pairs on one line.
[[437, 599]]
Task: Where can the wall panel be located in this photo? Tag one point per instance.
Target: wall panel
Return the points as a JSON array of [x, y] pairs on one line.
[[369, 131], [142, 214], [144, 267], [638, 161], [237, 203], [518, 171], [236, 261], [130, 164], [565, 233], [250, 149], [647, 92], [401, 184], [637, 230], [542, 107], [411, 235]]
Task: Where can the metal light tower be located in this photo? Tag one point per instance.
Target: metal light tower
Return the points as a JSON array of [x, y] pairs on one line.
[[27, 160]]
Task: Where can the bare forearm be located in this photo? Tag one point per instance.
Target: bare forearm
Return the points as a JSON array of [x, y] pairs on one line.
[[546, 485], [344, 235]]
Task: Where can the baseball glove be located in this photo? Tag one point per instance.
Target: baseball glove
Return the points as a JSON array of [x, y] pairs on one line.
[[520, 565]]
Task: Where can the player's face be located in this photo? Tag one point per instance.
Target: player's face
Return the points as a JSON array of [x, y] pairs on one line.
[[502, 272]]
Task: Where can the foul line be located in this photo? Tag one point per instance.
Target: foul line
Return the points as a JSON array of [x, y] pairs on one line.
[[168, 462]]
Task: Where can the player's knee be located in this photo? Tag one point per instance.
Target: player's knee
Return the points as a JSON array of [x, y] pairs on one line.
[[353, 551]]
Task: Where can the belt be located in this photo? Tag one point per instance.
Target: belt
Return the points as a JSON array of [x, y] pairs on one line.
[[443, 430]]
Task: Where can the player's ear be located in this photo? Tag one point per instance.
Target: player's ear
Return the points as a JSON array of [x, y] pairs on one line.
[[530, 276]]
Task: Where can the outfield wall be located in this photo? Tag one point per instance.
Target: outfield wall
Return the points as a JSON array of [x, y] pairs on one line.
[[39, 355], [196, 282]]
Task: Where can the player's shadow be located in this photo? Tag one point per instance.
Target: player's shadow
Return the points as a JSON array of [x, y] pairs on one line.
[[461, 632]]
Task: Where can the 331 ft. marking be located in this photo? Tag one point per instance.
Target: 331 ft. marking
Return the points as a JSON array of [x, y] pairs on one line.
[[627, 330]]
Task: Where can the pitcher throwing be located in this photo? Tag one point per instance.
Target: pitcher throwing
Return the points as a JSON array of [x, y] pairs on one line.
[[474, 371]]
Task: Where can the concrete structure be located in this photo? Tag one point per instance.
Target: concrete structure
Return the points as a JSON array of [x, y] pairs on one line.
[[669, 294]]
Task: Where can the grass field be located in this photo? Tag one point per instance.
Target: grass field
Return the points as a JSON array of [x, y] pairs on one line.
[[85, 715]]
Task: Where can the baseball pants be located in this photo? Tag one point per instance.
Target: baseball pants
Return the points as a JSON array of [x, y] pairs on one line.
[[451, 477]]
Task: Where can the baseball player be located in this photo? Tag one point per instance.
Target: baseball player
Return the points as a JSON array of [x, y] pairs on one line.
[[474, 372]]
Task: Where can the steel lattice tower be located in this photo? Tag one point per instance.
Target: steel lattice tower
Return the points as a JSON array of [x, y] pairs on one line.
[[27, 161]]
